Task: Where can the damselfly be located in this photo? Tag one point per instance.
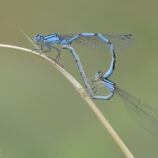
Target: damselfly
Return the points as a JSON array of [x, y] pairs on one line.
[[119, 40], [145, 115]]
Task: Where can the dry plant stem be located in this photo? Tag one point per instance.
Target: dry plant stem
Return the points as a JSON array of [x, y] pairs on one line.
[[84, 95]]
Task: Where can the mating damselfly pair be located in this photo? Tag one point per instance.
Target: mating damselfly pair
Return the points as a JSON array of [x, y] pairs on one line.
[[146, 115]]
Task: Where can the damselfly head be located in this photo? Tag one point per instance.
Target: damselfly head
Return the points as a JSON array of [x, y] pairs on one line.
[[98, 76], [38, 38]]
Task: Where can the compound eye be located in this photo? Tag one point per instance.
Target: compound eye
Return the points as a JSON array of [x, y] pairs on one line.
[[99, 72], [98, 75], [38, 37]]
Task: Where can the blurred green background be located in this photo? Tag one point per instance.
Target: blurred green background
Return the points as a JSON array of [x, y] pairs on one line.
[[41, 114]]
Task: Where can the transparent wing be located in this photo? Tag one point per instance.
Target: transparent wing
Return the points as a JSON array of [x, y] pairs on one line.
[[144, 114], [120, 41]]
